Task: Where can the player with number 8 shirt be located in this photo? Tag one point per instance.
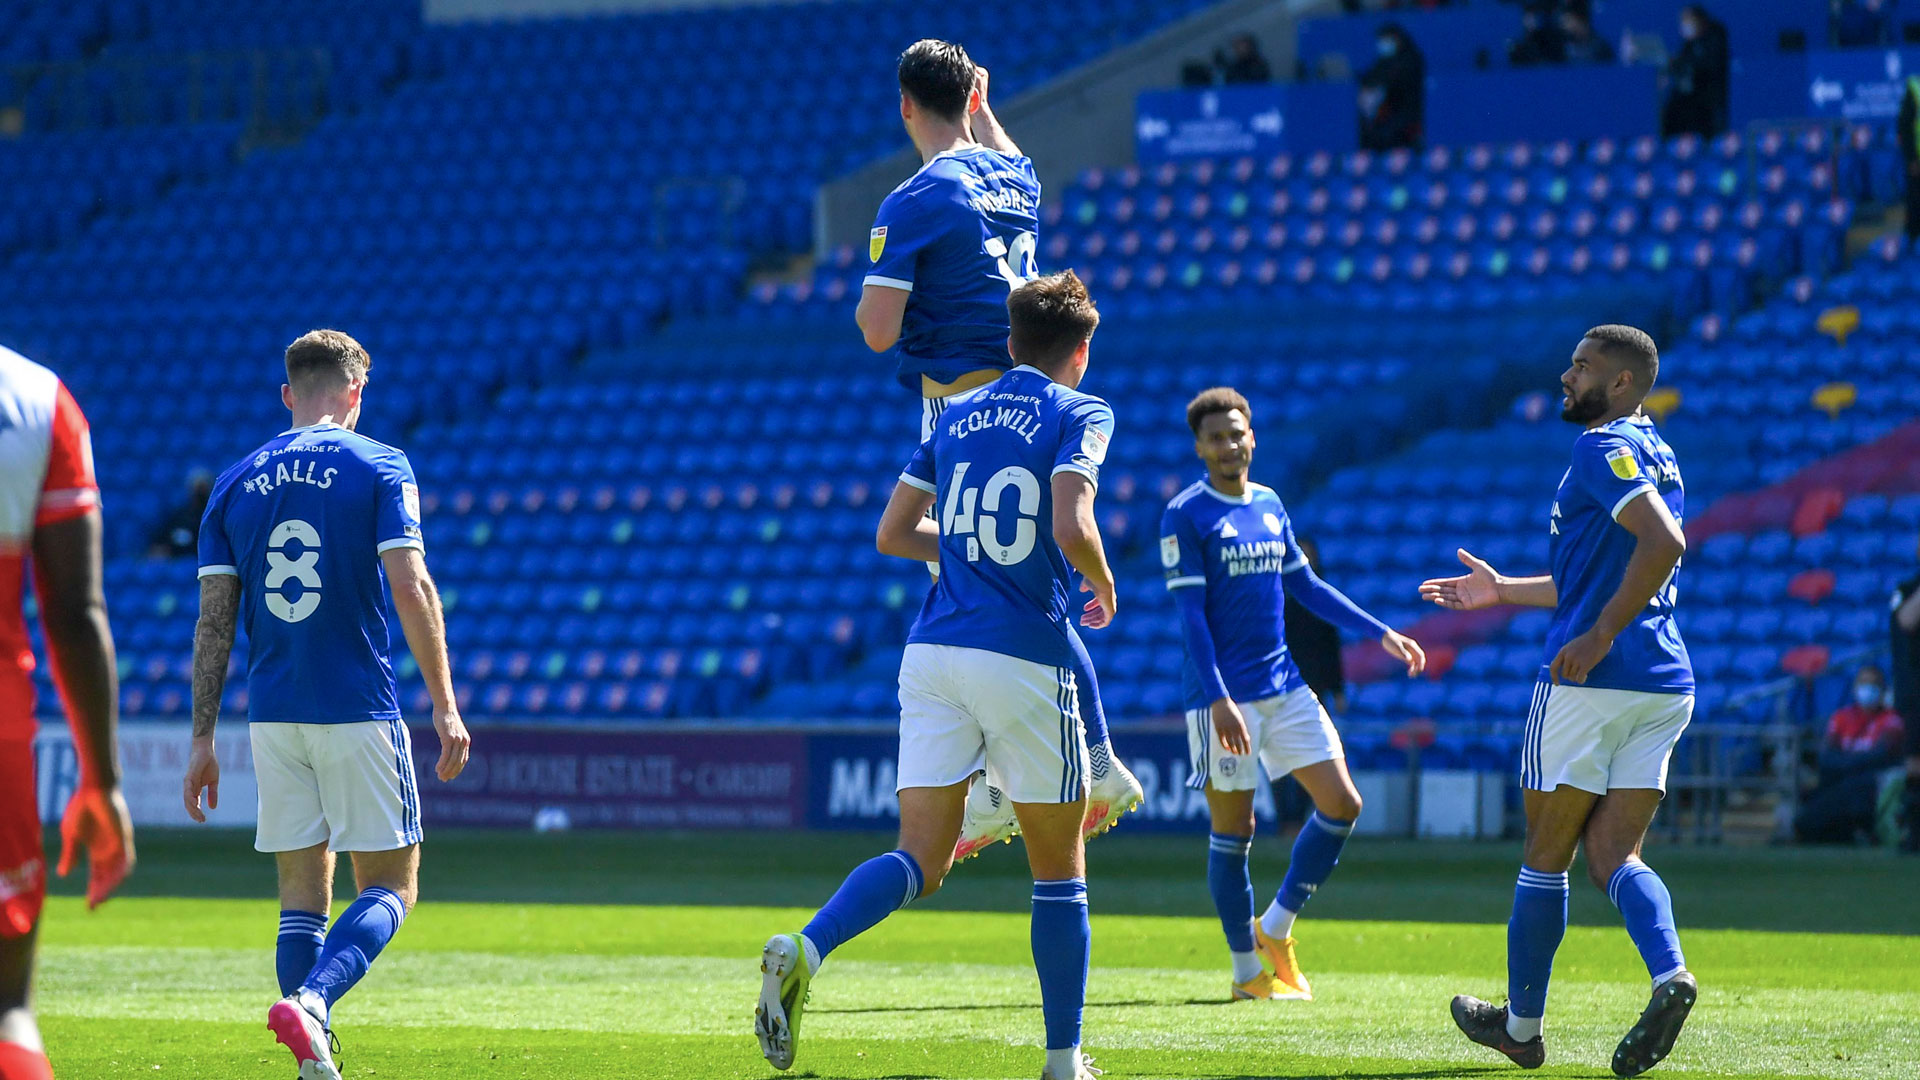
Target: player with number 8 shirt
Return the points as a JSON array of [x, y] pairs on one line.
[[947, 247]]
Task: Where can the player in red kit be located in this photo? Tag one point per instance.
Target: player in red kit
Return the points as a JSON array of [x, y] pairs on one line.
[[50, 509]]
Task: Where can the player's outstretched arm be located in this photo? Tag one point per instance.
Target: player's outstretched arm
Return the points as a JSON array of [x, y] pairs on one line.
[[1335, 607], [986, 126], [1078, 535], [1658, 546], [905, 530], [212, 651], [1483, 587], [423, 620], [73, 614]]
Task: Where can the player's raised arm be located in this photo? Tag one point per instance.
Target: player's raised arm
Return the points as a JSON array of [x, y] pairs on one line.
[[417, 602], [1078, 535], [1658, 546], [1329, 603], [1483, 587], [986, 126]]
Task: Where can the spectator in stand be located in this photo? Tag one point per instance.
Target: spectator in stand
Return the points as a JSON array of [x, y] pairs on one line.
[[1582, 45], [1242, 63], [178, 534], [1907, 127], [1860, 23], [1393, 93], [1864, 739], [1315, 644], [1906, 694], [1540, 42], [1697, 75]]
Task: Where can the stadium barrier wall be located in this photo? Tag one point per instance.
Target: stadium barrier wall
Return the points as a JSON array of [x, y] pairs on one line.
[[715, 776]]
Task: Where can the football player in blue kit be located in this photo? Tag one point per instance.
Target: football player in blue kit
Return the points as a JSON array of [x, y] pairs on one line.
[[299, 541], [988, 679], [1610, 702], [947, 246], [1231, 561]]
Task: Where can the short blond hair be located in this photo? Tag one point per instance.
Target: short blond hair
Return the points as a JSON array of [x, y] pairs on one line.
[[325, 359]]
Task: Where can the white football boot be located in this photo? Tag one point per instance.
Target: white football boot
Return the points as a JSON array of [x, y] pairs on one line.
[[300, 1031], [988, 820], [1114, 791]]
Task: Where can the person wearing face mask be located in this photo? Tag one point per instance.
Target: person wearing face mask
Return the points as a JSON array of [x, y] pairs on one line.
[[1696, 101], [1864, 738], [1393, 93]]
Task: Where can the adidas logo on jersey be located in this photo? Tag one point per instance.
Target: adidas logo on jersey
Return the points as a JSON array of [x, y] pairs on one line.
[[1227, 531]]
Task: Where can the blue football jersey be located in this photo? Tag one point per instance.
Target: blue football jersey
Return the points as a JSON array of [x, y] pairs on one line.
[[1236, 549], [302, 521], [959, 235], [990, 464], [1612, 465]]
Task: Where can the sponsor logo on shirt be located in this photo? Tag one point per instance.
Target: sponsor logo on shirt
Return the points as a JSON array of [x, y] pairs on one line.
[[1093, 445], [1623, 463], [410, 500], [1170, 552], [876, 243]]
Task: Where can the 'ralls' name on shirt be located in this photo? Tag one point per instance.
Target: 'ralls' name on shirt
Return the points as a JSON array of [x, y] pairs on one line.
[[295, 472], [1020, 421], [1254, 557]]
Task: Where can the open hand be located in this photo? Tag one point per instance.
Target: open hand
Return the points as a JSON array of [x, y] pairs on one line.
[[1478, 588], [1406, 650], [1099, 611], [98, 820]]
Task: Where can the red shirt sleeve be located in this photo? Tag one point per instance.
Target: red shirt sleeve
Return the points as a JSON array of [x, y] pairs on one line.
[[70, 489]]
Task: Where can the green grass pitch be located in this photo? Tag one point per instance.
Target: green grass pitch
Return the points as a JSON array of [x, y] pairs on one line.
[[598, 955]]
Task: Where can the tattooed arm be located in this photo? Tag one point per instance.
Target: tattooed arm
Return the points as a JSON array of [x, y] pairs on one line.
[[212, 649]]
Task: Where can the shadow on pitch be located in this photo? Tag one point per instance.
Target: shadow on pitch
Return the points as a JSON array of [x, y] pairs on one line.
[[1398, 1074], [1035, 1006]]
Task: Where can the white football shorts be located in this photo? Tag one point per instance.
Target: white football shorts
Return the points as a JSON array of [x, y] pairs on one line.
[[351, 786], [1289, 731], [963, 710], [1598, 740]]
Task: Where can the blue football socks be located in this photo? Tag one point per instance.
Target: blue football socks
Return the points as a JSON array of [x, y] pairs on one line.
[[298, 947], [355, 940], [876, 889], [1533, 935], [1646, 905], [1316, 851], [1062, 946]]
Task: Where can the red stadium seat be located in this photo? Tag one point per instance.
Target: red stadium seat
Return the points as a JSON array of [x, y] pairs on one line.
[[1807, 661], [1816, 511], [1811, 586]]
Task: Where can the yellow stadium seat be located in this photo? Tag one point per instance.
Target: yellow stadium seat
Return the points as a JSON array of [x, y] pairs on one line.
[[1835, 397], [1661, 402], [1838, 322]]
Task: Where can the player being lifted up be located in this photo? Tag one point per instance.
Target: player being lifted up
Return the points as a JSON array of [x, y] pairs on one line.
[[946, 247], [299, 539], [1607, 708], [1231, 561], [987, 680]]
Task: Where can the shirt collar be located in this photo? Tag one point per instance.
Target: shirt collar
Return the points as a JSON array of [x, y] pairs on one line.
[[1236, 500]]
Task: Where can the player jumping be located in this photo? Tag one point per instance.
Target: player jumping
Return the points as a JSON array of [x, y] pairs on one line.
[[946, 247], [51, 507], [301, 535], [1609, 706], [987, 680], [1231, 561]]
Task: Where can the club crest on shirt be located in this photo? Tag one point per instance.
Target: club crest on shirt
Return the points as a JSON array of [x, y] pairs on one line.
[[1170, 552], [1273, 523], [1622, 462], [876, 243], [1229, 765]]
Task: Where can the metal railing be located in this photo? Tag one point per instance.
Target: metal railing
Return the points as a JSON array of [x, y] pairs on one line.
[[272, 93]]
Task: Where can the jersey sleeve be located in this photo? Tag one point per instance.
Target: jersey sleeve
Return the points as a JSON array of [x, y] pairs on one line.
[[69, 489], [1295, 558], [1084, 436], [920, 472], [216, 548], [1181, 556], [397, 517], [1607, 467], [902, 229]]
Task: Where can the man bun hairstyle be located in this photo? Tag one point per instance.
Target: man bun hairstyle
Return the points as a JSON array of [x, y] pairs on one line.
[[938, 76], [1049, 317], [1633, 349], [325, 360], [1219, 399]]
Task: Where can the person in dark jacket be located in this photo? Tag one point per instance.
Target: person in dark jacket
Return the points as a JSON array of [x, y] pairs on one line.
[[1315, 644], [1540, 42], [1393, 93], [1696, 102], [1905, 627], [1242, 63], [1907, 127], [1861, 23], [1864, 738], [1582, 45]]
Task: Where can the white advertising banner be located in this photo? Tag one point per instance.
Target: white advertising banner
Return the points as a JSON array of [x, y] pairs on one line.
[[153, 763]]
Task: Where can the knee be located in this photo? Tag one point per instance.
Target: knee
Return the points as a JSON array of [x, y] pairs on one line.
[[1345, 806], [1600, 873]]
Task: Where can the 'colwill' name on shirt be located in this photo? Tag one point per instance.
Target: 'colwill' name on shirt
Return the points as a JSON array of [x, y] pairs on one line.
[[1024, 422]]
